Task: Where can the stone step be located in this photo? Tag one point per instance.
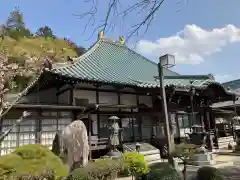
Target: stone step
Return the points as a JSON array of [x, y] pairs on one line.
[[152, 157], [224, 139]]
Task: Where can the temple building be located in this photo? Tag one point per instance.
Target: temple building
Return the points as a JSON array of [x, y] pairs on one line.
[[111, 79], [228, 122]]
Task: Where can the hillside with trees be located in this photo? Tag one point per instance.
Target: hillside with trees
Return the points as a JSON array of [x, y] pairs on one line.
[[22, 49]]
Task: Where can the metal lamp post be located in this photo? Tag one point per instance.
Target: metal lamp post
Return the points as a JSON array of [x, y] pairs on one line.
[[166, 61]]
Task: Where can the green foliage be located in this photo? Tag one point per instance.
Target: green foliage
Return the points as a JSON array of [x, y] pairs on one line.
[[15, 19], [134, 164], [100, 169], [45, 32], [32, 160], [44, 175], [19, 33], [8, 165], [18, 43], [163, 171], [209, 173]]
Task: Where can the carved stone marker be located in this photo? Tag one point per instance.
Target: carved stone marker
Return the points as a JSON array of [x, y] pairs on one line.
[[73, 144]]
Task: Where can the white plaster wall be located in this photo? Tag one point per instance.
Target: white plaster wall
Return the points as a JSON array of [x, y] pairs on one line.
[[94, 124], [146, 100], [108, 98], [82, 94], [94, 137], [128, 99]]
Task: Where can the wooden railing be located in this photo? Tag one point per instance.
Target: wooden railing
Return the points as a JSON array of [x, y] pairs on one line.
[[97, 144]]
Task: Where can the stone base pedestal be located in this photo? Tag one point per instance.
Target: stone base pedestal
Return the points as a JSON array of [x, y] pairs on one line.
[[204, 159]]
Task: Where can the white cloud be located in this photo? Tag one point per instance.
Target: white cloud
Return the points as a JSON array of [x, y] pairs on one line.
[[191, 44]]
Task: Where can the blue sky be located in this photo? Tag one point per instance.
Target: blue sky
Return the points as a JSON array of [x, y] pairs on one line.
[[187, 33]]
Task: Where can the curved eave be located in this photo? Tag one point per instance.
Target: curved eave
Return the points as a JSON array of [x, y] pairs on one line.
[[186, 88]]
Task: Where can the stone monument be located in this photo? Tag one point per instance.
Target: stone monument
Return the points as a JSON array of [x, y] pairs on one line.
[[73, 145]]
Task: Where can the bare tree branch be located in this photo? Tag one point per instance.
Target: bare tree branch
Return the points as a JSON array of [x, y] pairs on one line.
[[116, 12]]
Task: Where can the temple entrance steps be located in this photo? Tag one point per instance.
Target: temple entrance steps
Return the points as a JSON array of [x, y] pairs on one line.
[[151, 153], [224, 141]]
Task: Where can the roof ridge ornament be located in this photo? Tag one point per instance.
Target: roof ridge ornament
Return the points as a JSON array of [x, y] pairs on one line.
[[122, 40], [101, 34]]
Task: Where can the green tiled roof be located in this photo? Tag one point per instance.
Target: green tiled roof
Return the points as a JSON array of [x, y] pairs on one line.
[[110, 62]]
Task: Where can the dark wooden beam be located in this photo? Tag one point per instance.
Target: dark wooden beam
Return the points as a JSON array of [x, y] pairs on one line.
[[70, 101], [90, 135], [98, 116], [139, 119], [48, 107], [38, 122], [147, 91]]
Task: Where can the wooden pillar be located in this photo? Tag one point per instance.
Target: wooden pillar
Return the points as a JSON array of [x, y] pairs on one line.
[[155, 127], [18, 135], [119, 103], [98, 116], [192, 119], [90, 135], [1, 127], [215, 129], [58, 113], [132, 124], [177, 126], [70, 101], [38, 120], [139, 119], [38, 127], [207, 120]]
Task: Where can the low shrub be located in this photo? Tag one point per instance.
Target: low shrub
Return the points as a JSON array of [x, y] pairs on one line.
[[100, 169], [163, 171], [34, 160], [134, 164], [46, 174], [209, 173]]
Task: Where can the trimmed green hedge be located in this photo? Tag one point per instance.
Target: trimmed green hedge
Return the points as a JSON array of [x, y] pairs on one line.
[[100, 169], [31, 159], [161, 171], [134, 164]]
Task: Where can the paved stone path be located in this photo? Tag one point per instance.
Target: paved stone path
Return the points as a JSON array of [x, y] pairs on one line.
[[230, 172]]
